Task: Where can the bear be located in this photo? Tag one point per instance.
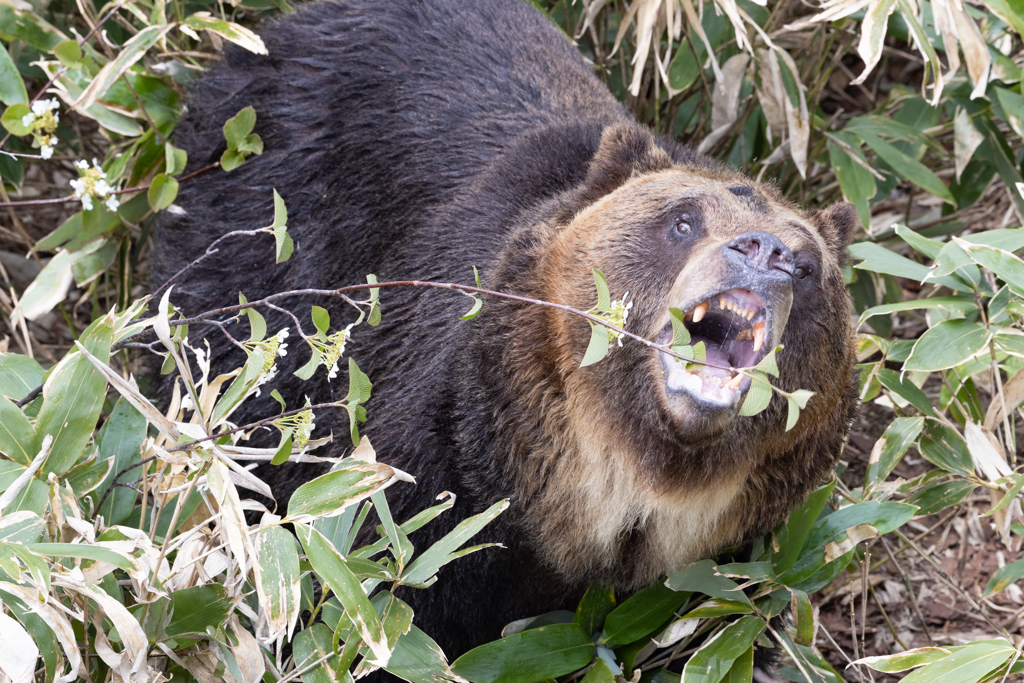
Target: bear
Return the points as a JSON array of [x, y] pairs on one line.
[[417, 139]]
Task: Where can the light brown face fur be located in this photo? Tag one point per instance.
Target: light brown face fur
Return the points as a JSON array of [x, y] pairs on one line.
[[630, 478]]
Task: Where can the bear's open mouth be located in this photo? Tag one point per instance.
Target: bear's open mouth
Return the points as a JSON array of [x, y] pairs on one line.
[[736, 332]]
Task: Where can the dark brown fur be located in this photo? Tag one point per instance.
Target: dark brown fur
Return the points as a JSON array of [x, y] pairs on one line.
[[415, 139]]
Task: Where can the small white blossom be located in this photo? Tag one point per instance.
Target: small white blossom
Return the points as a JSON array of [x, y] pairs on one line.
[[40, 107], [282, 346], [93, 183], [42, 124], [187, 404], [334, 371]]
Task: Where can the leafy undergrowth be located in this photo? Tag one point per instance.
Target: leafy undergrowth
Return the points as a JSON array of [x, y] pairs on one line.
[[124, 550]]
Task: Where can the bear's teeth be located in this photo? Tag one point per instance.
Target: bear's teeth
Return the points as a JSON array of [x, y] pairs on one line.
[[700, 311], [758, 336], [745, 334], [734, 383]]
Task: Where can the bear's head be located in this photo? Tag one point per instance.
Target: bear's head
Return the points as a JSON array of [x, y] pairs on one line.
[[661, 465]]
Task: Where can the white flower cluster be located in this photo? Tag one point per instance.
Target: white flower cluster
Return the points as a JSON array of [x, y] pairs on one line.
[[275, 346], [43, 120], [93, 183], [336, 349], [617, 315]]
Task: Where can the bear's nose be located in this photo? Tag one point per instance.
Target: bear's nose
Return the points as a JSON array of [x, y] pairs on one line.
[[760, 250]]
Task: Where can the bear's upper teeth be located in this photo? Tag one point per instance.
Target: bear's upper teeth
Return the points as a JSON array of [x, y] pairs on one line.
[[700, 310]]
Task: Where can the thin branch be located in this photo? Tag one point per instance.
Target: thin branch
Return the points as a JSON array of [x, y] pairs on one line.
[[127, 190], [210, 251], [340, 292]]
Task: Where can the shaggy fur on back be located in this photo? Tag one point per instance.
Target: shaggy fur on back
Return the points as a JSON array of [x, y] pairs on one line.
[[417, 139]]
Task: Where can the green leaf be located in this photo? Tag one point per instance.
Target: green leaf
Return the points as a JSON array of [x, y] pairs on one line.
[[120, 438], [680, 335], [321, 319], [16, 433], [920, 243], [81, 550], [803, 618], [284, 451], [23, 527], [856, 182], [11, 119], [1003, 577], [830, 533], [533, 655], [313, 644], [282, 240], [307, 370], [905, 389], [604, 299], [641, 614], [908, 168], [947, 345], [12, 87], [131, 52], [18, 375], [175, 159], [684, 68], [1006, 266], [718, 607], [904, 661], [945, 448], [900, 434], [401, 548], [239, 126], [329, 494], [701, 577], [69, 54], [277, 577], [793, 412], [878, 259], [758, 396], [791, 537], [417, 657], [231, 159], [162, 192], [769, 365], [953, 304], [72, 399], [595, 606], [936, 497], [598, 347], [239, 35], [472, 312], [967, 665], [334, 572], [715, 657], [423, 570]]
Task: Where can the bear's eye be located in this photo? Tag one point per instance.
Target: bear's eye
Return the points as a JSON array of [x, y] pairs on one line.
[[801, 272], [682, 224]]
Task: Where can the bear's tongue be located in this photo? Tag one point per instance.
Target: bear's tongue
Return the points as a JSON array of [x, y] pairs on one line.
[[709, 382]]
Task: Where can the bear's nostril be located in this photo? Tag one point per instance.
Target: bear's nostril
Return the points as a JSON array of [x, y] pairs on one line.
[[763, 251]]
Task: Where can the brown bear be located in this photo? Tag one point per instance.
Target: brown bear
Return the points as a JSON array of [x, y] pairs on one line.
[[420, 138]]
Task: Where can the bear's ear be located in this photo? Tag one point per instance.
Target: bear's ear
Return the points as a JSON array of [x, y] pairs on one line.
[[625, 151], [838, 224]]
